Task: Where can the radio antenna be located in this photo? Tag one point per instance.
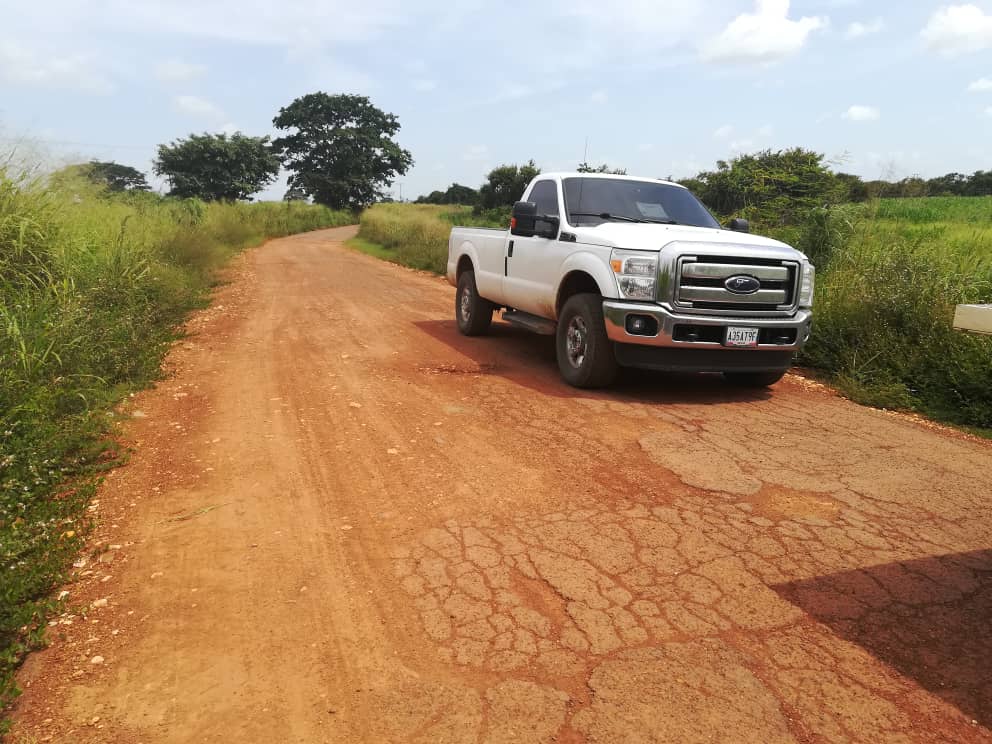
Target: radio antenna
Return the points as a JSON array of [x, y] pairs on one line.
[[582, 181]]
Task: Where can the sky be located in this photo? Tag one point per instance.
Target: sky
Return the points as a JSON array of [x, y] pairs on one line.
[[659, 87]]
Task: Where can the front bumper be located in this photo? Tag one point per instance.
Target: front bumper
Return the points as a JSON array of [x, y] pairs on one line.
[[777, 334]]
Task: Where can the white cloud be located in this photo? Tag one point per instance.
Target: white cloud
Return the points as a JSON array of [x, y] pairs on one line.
[[292, 22], [858, 29], [198, 107], [177, 71], [230, 128], [768, 35], [633, 24], [862, 113], [424, 85], [723, 132], [958, 29], [599, 97], [765, 131], [476, 153], [741, 145], [982, 85], [20, 65]]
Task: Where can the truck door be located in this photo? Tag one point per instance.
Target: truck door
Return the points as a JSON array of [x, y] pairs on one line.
[[532, 263]]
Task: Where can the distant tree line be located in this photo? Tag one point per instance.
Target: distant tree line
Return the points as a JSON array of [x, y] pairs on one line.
[[978, 183], [340, 151], [454, 194], [779, 187], [504, 185]]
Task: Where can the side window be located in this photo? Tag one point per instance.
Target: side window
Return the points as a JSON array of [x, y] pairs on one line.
[[545, 196]]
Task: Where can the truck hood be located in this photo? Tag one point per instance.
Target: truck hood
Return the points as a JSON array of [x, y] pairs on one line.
[[647, 237]]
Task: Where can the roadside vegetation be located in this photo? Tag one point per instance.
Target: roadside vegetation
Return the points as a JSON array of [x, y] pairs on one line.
[[890, 274], [890, 270], [416, 235], [96, 272], [93, 282]]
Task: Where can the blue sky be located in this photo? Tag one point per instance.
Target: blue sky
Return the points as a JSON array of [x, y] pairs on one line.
[[660, 87]]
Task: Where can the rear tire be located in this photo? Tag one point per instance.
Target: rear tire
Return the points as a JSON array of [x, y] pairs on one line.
[[473, 313], [585, 352], [754, 379]]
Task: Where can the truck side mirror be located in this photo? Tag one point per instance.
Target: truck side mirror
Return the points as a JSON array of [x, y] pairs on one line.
[[739, 225], [550, 225], [523, 221]]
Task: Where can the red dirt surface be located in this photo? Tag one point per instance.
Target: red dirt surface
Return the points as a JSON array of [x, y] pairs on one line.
[[344, 522]]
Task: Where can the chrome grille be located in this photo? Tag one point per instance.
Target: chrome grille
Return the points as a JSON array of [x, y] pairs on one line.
[[701, 283]]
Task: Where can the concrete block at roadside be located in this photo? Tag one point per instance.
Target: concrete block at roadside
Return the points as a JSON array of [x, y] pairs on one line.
[[973, 318]]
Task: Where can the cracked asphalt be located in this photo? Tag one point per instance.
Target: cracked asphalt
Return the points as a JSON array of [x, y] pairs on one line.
[[342, 521]]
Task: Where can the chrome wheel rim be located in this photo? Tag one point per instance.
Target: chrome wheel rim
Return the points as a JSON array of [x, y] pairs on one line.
[[576, 341], [465, 306]]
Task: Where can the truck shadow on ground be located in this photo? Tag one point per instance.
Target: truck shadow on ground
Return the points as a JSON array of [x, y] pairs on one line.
[[528, 359], [928, 619]]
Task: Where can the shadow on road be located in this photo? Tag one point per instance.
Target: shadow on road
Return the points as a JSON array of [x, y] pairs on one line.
[[529, 360], [930, 619]]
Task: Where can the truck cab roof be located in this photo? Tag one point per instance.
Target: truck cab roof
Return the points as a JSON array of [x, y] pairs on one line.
[[560, 175]]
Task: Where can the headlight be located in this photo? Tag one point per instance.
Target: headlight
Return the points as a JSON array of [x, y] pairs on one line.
[[636, 272], [807, 286]]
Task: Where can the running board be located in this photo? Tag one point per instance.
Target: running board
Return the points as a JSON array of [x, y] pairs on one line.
[[533, 323]]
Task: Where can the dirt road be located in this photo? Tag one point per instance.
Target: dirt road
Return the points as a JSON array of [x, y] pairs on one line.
[[344, 522]]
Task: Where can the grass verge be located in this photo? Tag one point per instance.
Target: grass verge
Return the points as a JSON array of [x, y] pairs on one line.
[[416, 235], [372, 249], [92, 288]]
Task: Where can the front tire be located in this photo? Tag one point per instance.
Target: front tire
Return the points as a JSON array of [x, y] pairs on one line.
[[754, 379], [585, 352], [473, 313]]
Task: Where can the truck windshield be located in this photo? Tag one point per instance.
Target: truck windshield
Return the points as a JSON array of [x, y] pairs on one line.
[[593, 201]]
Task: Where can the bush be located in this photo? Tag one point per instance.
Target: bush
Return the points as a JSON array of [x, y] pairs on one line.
[[91, 287], [886, 293]]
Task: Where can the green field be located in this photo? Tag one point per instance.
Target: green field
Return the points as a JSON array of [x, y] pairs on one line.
[[92, 286], [889, 275]]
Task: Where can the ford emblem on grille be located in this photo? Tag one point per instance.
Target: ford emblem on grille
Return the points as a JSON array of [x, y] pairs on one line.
[[742, 284]]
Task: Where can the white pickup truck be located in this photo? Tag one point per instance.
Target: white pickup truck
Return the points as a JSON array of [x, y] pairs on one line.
[[635, 272]]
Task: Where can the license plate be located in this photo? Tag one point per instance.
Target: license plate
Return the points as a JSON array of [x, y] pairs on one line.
[[741, 336]]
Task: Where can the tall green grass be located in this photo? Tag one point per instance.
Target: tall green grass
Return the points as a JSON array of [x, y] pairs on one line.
[[92, 287], [890, 275], [416, 235]]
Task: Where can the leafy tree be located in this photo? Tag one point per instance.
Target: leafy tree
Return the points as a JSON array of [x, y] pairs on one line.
[[604, 168], [342, 150], [217, 166], [852, 187], [456, 194], [912, 187], [770, 187], [114, 176], [980, 184], [295, 193], [952, 184], [435, 197], [695, 185], [506, 184]]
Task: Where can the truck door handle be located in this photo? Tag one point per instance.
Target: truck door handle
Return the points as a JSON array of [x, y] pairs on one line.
[[509, 252]]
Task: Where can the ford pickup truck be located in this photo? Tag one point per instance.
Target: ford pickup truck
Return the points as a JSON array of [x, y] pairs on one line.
[[635, 272]]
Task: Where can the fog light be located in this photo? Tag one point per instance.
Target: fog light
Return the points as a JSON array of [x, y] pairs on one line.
[[641, 325]]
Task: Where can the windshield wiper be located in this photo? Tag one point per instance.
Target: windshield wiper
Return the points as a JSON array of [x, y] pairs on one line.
[[622, 218]]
